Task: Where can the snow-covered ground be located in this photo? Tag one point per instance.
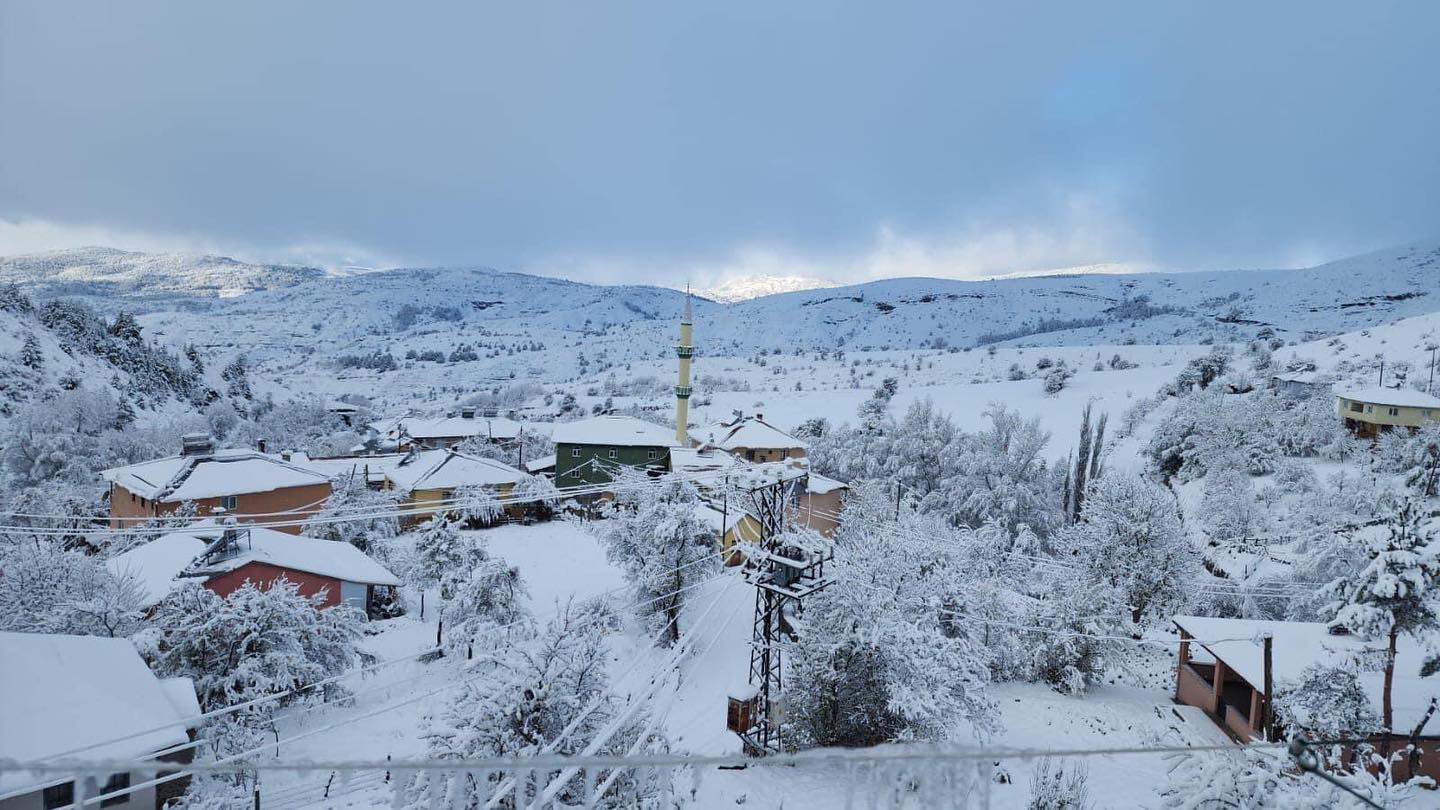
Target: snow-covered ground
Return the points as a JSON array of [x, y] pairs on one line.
[[560, 559]]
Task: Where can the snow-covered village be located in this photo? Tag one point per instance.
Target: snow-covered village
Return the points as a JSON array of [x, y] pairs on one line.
[[658, 406]]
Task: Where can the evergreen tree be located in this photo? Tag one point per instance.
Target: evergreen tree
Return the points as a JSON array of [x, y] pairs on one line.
[[237, 378], [30, 354], [1394, 594], [196, 361]]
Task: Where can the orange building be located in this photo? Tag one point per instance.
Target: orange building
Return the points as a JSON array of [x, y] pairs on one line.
[[242, 483]]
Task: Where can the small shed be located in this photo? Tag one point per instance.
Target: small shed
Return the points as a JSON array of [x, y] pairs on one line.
[[1233, 668]]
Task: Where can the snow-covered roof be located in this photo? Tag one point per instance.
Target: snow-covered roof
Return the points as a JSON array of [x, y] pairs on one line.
[[327, 558], [536, 465], [371, 468], [157, 565], [224, 472], [154, 565], [60, 693], [614, 431], [1399, 397], [452, 427], [1297, 645], [692, 460], [449, 469], [1302, 377], [715, 517], [820, 485], [751, 432]]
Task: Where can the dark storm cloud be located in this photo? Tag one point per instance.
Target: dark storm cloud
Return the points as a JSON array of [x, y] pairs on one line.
[[624, 140]]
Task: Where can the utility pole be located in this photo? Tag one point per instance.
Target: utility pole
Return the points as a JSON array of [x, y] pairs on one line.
[[1430, 386], [1382, 372]]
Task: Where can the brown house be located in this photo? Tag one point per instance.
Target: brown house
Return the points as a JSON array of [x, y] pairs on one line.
[[243, 483], [754, 439], [1233, 668], [818, 505]]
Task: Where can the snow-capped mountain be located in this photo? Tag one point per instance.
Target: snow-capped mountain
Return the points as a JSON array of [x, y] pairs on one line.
[[106, 272], [745, 288]]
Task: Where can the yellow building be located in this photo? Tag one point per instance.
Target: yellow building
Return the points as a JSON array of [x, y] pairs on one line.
[[1371, 411], [430, 478]]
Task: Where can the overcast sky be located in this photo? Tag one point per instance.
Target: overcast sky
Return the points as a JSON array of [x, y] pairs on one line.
[[667, 141]]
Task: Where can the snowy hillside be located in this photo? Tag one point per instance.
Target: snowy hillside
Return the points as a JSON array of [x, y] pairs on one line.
[[105, 272], [414, 334]]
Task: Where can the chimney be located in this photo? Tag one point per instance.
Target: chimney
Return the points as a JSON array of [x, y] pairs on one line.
[[196, 444]]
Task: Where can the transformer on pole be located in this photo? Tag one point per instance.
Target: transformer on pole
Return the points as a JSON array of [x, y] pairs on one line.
[[783, 575]]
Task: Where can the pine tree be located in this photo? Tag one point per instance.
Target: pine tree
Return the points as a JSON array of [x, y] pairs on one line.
[[1394, 594], [237, 377], [30, 354], [196, 361]]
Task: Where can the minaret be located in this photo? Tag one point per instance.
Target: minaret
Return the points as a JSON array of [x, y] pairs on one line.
[[685, 350]]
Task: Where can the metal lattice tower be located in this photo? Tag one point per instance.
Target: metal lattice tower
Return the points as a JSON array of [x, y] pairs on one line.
[[781, 575]]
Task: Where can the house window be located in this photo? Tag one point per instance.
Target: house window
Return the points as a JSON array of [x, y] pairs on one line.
[[1393, 411], [574, 452], [227, 501], [1356, 407], [132, 497], [117, 781], [1369, 409], [613, 452], [60, 795], [749, 455], [652, 453]]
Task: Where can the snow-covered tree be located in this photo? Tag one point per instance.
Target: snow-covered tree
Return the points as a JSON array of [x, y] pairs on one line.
[[872, 412], [251, 643], [478, 505], [537, 495], [1003, 477], [31, 355], [488, 596], [1253, 779], [527, 446], [371, 520], [1397, 592], [656, 536], [44, 589], [1229, 509], [441, 549], [551, 695], [1129, 538], [883, 654], [1328, 701], [237, 378]]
